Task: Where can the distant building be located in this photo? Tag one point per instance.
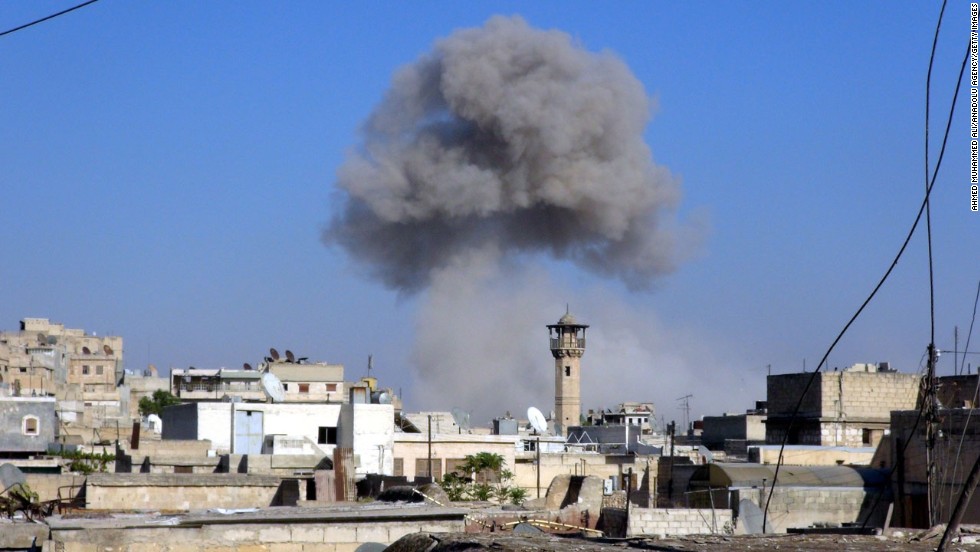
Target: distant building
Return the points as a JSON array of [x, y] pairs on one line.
[[842, 408], [627, 413], [733, 433], [198, 385]]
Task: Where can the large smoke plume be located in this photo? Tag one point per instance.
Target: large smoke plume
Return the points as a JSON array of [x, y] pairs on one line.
[[506, 140], [512, 137]]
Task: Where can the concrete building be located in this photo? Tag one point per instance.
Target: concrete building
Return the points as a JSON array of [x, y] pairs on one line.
[[567, 339], [45, 358], [957, 446], [733, 433], [196, 385], [310, 382], [256, 428], [842, 408], [627, 413], [803, 495], [28, 426]]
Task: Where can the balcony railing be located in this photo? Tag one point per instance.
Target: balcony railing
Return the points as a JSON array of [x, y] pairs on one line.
[[557, 343]]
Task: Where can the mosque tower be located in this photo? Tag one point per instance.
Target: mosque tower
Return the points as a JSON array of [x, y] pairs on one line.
[[567, 346]]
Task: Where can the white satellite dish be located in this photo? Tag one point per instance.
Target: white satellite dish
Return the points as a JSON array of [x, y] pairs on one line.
[[537, 420], [273, 387]]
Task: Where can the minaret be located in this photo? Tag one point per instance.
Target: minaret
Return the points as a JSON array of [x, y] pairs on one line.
[[567, 346]]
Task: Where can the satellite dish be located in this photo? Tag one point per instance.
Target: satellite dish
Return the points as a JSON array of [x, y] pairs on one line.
[[289, 356], [537, 420], [273, 387], [706, 454], [301, 360], [462, 419], [86, 351], [107, 349], [274, 354], [753, 517], [268, 360], [247, 366]]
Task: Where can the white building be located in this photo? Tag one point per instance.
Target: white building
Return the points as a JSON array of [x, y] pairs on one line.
[[250, 428]]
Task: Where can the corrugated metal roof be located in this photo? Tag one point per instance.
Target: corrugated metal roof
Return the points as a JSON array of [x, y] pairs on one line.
[[733, 475]]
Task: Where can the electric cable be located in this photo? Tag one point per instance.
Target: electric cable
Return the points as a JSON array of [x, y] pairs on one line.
[[52, 16], [881, 282]]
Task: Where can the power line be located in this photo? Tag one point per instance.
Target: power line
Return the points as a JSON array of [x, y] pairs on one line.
[[881, 282], [52, 16]]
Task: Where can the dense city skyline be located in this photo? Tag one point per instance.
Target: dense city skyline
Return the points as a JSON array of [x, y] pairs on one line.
[[169, 170]]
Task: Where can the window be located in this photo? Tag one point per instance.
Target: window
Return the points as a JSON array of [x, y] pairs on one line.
[[326, 436], [422, 467], [85, 369], [23, 370], [399, 467], [304, 388], [285, 387], [568, 370], [455, 465], [331, 387], [98, 370], [30, 425], [183, 469]]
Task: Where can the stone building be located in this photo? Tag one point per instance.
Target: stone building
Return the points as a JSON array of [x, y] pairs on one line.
[[27, 426], [567, 347], [45, 358], [842, 408]]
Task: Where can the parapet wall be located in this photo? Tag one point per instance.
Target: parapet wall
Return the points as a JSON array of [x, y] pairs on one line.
[[678, 521]]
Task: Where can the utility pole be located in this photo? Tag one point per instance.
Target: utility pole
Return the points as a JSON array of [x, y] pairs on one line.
[[929, 396], [671, 428], [430, 449]]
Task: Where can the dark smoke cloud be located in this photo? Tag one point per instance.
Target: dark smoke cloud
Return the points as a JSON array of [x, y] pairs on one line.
[[513, 139]]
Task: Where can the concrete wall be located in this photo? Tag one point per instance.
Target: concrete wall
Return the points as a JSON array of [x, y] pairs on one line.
[[839, 407], [555, 464], [804, 506], [803, 455], [410, 448], [148, 491], [678, 521], [214, 421], [322, 534], [49, 485], [373, 432], [14, 437], [718, 429]]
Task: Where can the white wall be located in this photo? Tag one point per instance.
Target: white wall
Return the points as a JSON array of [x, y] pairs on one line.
[[374, 437], [216, 421]]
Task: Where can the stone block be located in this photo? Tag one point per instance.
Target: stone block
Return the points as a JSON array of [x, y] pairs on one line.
[[307, 533], [372, 533], [340, 533], [274, 534]]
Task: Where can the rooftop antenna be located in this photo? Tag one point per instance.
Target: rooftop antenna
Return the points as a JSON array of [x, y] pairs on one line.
[[370, 364], [290, 357], [536, 418], [687, 410], [273, 353]]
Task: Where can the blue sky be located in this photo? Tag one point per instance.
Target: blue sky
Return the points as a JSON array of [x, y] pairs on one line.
[[166, 171]]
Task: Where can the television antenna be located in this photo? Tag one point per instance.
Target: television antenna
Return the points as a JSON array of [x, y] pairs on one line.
[[273, 387], [687, 410], [536, 418]]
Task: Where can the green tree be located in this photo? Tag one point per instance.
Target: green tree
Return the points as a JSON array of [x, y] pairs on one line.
[[155, 405]]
